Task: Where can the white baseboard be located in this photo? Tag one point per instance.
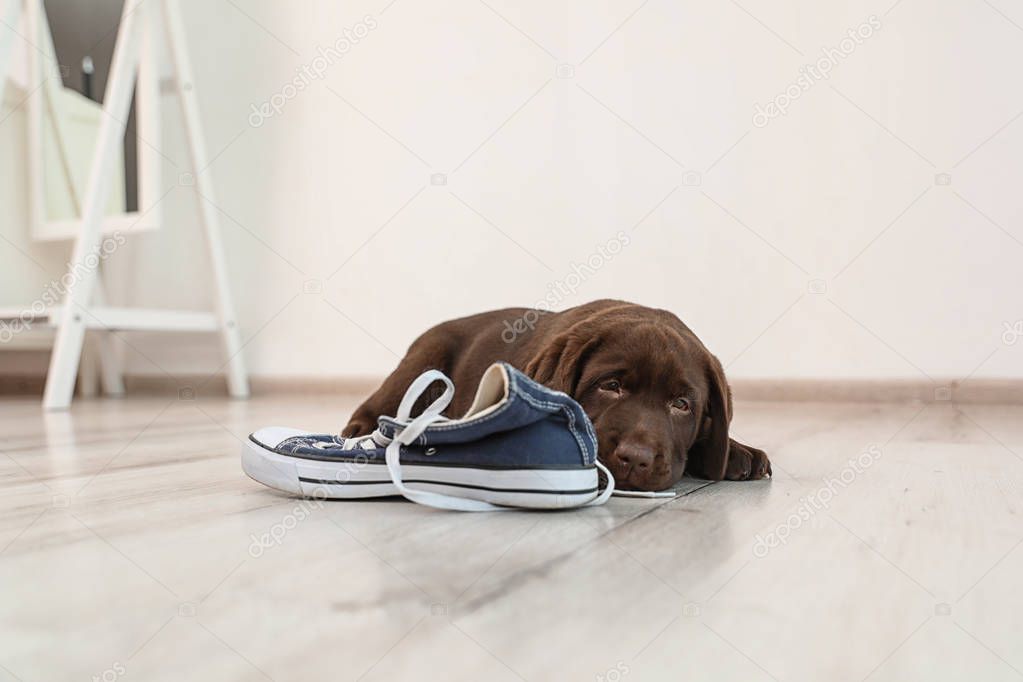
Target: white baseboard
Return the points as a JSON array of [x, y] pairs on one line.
[[972, 391]]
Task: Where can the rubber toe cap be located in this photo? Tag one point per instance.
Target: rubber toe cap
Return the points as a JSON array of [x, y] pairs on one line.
[[272, 436]]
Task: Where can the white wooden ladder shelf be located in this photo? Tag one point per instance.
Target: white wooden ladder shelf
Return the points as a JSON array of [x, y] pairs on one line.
[[83, 307]]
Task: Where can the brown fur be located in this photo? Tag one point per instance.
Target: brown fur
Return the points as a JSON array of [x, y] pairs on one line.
[[658, 398]]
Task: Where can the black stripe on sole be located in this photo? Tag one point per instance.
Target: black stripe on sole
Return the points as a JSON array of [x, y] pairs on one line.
[[456, 485]]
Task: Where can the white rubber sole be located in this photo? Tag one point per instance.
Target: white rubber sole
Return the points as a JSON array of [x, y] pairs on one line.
[[532, 488]]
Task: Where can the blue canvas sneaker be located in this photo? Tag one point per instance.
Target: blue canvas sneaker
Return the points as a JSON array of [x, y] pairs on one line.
[[520, 444]]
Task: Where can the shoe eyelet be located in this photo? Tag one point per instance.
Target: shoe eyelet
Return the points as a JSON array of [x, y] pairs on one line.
[[430, 452]]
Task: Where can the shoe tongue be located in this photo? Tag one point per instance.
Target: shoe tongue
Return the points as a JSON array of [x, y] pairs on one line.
[[493, 389]]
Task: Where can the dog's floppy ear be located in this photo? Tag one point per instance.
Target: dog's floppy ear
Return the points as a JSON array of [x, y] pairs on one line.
[[708, 456], [559, 363]]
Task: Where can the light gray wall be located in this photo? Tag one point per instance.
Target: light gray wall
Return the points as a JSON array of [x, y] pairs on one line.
[[818, 245]]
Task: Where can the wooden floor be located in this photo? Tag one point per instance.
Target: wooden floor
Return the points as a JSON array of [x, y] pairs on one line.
[[886, 547]]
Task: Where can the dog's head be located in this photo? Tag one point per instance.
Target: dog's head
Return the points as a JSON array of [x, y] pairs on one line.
[[657, 397]]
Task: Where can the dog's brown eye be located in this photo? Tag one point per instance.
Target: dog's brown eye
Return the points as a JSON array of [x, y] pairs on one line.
[[613, 385], [681, 404]]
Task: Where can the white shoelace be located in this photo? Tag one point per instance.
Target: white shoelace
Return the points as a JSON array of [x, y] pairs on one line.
[[645, 493], [415, 427]]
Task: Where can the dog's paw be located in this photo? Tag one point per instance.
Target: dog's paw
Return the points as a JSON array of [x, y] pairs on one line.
[[357, 427], [746, 463]]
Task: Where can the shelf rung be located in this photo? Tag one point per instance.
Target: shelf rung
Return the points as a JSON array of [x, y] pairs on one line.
[[145, 319], [126, 319]]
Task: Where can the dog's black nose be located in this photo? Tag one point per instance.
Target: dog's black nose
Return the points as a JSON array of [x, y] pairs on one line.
[[636, 457]]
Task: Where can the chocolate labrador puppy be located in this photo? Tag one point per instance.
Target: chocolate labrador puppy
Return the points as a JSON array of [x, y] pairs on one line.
[[656, 395]]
